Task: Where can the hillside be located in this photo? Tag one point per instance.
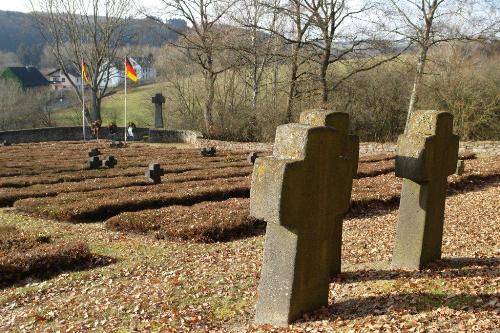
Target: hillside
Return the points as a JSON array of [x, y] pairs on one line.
[[18, 32]]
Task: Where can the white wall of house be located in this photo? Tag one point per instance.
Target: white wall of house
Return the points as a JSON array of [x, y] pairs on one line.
[[114, 79], [59, 81]]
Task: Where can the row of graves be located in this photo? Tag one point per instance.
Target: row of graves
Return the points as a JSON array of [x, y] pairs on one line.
[[154, 171], [303, 191]]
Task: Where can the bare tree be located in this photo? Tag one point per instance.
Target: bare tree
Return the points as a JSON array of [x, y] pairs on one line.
[[92, 31], [342, 32], [255, 46], [293, 34], [204, 43], [427, 23]]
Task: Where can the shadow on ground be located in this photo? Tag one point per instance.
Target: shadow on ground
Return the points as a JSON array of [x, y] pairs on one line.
[[38, 274], [445, 268]]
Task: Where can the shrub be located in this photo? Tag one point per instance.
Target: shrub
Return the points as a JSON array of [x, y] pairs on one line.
[[202, 222], [29, 255]]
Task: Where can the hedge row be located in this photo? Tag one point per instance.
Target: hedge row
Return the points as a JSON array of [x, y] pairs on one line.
[[202, 222], [23, 255], [101, 204]]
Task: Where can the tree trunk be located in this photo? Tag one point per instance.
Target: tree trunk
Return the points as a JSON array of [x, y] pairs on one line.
[[416, 84], [207, 112], [325, 58], [293, 83], [96, 107]]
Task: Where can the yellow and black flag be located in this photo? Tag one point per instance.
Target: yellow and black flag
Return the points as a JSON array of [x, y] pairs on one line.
[[129, 70]]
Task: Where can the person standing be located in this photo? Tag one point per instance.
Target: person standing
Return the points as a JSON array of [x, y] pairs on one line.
[[96, 126], [130, 130], [113, 131]]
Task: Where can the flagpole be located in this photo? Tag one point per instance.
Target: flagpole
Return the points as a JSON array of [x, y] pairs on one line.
[[83, 104], [125, 125]]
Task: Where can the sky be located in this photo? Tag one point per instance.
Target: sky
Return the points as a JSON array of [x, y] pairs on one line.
[[24, 5], [14, 5]]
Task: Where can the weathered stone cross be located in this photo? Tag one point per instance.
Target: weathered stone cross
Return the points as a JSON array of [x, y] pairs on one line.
[[94, 162], [154, 173], [300, 192], [158, 101], [350, 154], [94, 152], [426, 155], [110, 162]]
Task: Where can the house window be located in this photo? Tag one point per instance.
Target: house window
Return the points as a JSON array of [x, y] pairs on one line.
[[63, 80]]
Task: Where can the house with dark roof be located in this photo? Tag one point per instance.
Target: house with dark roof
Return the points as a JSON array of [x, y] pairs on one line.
[[60, 81], [27, 77]]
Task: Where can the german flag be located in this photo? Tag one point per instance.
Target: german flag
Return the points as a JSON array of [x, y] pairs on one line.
[[85, 72], [129, 70]]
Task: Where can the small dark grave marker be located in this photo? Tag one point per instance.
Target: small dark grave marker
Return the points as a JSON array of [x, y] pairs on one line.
[[252, 157], [6, 143], [94, 162], [110, 162], [460, 168], [154, 173], [208, 151], [94, 152], [116, 144]]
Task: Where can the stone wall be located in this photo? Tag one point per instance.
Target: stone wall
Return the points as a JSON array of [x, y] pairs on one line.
[[62, 134], [196, 138], [232, 145], [365, 148], [478, 147], [174, 136]]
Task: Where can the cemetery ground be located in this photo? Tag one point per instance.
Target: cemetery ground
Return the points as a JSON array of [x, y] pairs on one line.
[[106, 250]]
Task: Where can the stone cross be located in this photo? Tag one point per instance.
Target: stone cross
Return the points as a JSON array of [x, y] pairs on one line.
[[208, 151], [154, 173], [350, 153], [426, 155], [300, 192], [158, 101], [116, 144], [251, 157], [460, 168], [94, 162], [110, 162], [94, 152]]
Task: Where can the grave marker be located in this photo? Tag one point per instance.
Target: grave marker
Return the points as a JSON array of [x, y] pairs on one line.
[[426, 155], [158, 101], [300, 193], [252, 157], [154, 173], [208, 151], [94, 162], [116, 144], [350, 153], [110, 162], [94, 152], [460, 168]]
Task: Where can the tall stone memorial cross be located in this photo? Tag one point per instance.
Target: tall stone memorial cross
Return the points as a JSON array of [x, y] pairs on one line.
[[300, 192], [426, 155], [158, 101], [344, 178]]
